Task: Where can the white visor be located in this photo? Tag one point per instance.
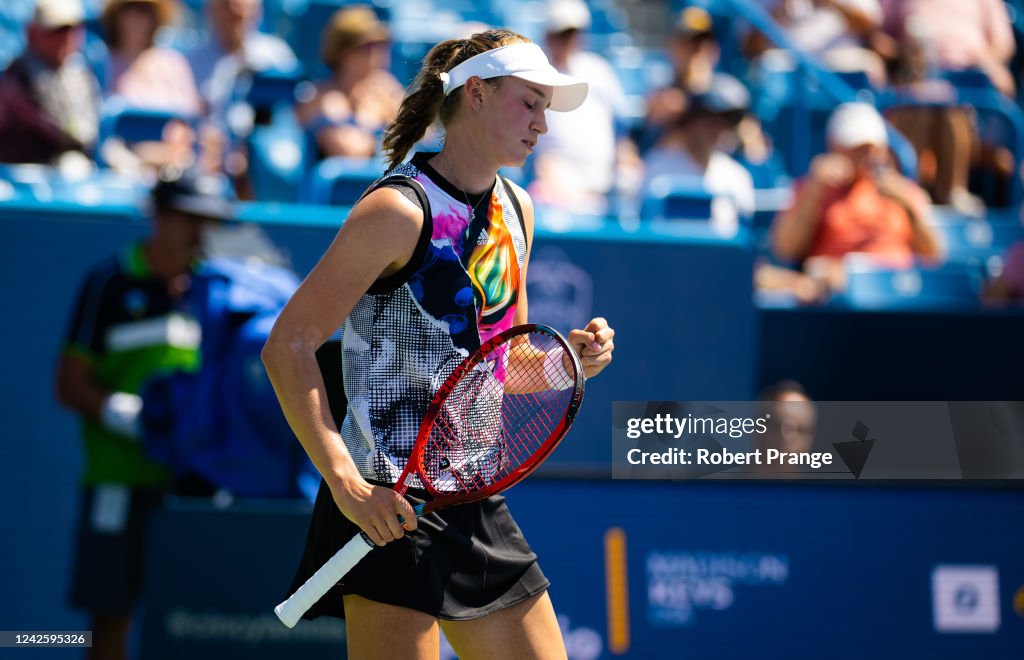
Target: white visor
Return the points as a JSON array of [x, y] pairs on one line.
[[525, 61]]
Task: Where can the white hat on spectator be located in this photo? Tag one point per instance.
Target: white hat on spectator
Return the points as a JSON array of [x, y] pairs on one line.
[[52, 14], [856, 124], [567, 15]]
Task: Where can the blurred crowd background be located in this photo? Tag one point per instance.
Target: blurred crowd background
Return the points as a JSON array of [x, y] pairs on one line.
[[706, 110]]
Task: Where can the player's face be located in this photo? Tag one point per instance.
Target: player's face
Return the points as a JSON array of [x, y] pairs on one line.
[[514, 113]]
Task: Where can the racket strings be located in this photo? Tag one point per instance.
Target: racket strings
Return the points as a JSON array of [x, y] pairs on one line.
[[499, 415]]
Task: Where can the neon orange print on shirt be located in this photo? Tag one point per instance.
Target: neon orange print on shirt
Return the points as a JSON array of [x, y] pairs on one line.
[[494, 268]]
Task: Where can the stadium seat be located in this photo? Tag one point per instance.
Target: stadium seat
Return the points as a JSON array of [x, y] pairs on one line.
[[133, 124], [768, 202], [855, 79], [978, 242], [640, 71], [270, 88], [277, 161], [968, 79], [407, 58], [609, 26], [676, 198], [340, 181], [870, 287]]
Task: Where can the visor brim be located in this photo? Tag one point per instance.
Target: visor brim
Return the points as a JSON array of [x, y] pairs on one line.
[[567, 94]]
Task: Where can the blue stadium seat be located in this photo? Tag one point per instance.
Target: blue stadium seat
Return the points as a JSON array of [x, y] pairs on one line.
[[25, 182], [978, 242], [641, 71], [132, 124], [967, 79], [768, 202], [676, 198], [798, 132], [267, 90], [340, 181], [277, 161], [13, 17], [609, 26], [855, 79], [868, 287], [407, 58]]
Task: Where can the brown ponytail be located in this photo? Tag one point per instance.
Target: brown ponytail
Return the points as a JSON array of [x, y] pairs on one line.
[[425, 101]]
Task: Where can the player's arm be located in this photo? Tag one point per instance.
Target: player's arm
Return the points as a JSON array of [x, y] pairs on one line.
[[593, 343], [377, 239]]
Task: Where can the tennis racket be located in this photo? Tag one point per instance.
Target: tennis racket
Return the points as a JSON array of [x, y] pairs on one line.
[[496, 417]]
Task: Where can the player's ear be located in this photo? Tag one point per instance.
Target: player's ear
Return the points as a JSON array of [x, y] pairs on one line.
[[476, 91]]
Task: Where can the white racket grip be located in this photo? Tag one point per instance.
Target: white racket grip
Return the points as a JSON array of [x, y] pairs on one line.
[[291, 610]]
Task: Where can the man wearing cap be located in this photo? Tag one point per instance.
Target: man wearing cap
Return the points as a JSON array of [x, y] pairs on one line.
[[576, 163], [853, 201], [128, 323], [49, 99], [691, 147]]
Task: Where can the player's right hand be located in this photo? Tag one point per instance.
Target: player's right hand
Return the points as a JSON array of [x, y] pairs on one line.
[[375, 509]]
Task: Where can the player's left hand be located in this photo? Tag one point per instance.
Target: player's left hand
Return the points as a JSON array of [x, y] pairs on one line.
[[594, 345]]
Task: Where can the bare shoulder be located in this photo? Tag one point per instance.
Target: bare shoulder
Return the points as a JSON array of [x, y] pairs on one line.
[[387, 210]]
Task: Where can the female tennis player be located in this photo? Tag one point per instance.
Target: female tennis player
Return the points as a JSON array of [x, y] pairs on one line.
[[429, 264]]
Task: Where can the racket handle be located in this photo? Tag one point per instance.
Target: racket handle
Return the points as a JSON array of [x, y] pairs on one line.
[[291, 610]]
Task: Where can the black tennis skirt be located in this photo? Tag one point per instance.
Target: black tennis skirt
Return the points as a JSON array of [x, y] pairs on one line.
[[462, 562]]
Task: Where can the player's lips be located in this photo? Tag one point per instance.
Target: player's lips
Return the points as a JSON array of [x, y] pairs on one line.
[[530, 143]]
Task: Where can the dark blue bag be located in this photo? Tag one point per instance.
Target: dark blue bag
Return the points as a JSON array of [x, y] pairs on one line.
[[223, 424]]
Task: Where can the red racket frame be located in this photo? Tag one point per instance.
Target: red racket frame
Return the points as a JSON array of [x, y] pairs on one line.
[[415, 462]]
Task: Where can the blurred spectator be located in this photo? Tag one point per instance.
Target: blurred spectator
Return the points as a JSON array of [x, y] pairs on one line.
[[694, 54], [350, 109], [142, 73], [148, 76], [932, 36], [1008, 287], [839, 32], [692, 146], [956, 35], [49, 98], [575, 163], [943, 136], [793, 423], [854, 201], [234, 46], [128, 324]]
